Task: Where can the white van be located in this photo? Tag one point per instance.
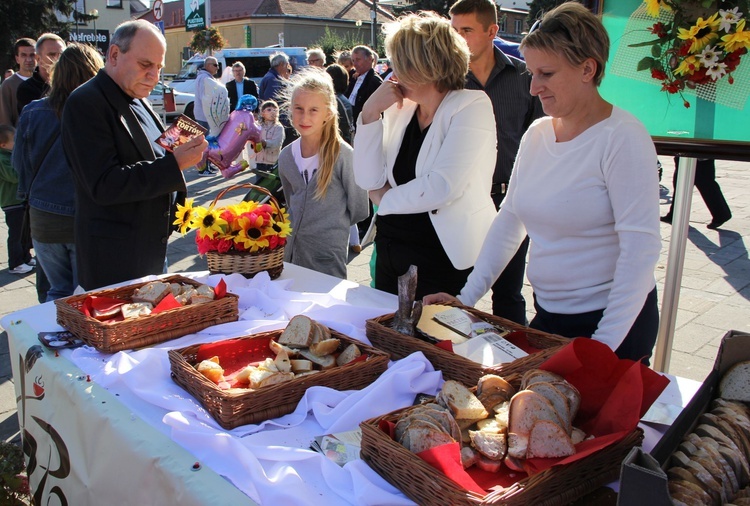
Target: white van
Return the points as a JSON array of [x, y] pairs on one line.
[[255, 60]]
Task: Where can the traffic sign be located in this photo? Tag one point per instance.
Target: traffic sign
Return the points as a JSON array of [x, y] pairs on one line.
[[158, 9], [160, 26]]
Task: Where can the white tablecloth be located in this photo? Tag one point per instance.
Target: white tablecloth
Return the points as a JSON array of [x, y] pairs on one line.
[[148, 413]]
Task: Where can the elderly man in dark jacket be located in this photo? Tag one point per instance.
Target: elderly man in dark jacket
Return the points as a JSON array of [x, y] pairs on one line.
[[367, 80], [126, 184]]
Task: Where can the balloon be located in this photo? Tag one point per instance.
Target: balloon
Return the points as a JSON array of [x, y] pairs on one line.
[[215, 105], [240, 128]]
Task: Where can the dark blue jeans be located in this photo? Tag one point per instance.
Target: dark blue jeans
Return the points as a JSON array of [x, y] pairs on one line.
[[638, 343], [59, 263]]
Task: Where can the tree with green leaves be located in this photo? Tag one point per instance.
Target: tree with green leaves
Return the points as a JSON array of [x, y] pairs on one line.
[[31, 18], [332, 42], [439, 6]]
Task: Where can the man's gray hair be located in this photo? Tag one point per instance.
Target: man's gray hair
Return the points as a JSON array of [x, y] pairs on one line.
[[277, 59], [45, 37], [369, 53], [125, 32]]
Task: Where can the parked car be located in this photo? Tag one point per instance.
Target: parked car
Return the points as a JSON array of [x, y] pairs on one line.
[[183, 102]]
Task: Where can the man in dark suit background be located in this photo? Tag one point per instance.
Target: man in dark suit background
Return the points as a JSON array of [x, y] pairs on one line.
[[240, 85], [126, 184], [367, 81]]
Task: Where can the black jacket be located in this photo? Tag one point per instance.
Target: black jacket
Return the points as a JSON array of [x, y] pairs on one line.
[[369, 85], [249, 86], [124, 193], [31, 89]]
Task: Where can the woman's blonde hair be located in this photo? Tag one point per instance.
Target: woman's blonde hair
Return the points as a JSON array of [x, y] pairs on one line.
[[573, 31], [315, 80], [424, 49]]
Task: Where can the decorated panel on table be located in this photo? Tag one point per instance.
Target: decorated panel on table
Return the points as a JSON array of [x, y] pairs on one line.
[[681, 66]]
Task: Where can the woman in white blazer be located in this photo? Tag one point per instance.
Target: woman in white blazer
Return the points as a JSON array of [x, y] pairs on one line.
[[425, 149]]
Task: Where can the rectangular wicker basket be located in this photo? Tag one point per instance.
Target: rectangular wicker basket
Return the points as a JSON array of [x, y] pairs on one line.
[[232, 409], [558, 485], [454, 366], [144, 330]]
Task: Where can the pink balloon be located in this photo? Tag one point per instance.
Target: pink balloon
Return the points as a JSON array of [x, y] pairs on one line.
[[240, 128]]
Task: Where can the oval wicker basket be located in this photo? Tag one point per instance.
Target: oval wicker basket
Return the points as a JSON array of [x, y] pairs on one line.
[[243, 262]]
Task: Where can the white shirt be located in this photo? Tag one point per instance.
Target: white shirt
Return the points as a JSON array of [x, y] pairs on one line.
[[591, 209], [306, 166], [353, 96]]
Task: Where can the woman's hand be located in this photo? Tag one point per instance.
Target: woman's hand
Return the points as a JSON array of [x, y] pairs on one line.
[[439, 298], [377, 195], [386, 95]]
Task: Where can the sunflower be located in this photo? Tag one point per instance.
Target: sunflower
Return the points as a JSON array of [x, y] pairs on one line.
[[652, 7], [184, 216], [737, 40], [209, 221], [252, 237], [281, 228], [702, 33], [687, 66]]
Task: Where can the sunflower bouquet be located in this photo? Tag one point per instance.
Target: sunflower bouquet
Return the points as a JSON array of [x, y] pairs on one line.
[[696, 42], [246, 227]]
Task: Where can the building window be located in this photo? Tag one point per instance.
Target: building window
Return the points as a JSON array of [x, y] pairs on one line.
[[518, 25], [503, 22], [114, 4]]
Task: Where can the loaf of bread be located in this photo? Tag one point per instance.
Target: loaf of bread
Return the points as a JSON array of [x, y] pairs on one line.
[[461, 401], [136, 309], [299, 332], [152, 292], [350, 353], [735, 384]]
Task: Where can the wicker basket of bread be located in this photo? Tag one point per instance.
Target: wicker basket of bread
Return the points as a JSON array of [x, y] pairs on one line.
[[486, 436], [254, 378], [132, 315], [381, 333]]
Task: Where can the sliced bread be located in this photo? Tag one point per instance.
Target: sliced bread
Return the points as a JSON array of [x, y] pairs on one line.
[[299, 333], [461, 402], [735, 384]]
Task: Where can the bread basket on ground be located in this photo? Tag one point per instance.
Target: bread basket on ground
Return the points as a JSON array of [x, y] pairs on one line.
[[143, 330], [244, 262], [541, 344], [238, 407], [424, 484]]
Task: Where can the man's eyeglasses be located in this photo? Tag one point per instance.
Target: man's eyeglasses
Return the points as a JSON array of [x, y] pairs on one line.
[[313, 60]]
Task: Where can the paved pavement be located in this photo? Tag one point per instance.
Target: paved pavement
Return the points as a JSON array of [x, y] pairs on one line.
[[715, 295]]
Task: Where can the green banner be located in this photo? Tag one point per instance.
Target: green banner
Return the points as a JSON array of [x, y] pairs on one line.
[[691, 84]]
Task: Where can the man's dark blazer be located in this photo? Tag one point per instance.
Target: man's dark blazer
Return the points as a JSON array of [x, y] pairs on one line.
[[249, 87], [369, 85], [124, 193]]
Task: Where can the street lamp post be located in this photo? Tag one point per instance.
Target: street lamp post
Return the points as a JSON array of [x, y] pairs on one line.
[[94, 13]]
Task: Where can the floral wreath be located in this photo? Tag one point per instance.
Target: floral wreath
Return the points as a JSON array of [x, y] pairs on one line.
[[243, 227], [702, 44]]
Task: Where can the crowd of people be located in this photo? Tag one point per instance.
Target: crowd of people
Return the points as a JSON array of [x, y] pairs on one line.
[[461, 159]]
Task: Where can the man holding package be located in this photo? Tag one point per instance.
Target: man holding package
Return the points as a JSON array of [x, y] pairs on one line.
[[126, 184]]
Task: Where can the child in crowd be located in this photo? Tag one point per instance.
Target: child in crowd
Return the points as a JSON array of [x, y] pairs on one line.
[[272, 136], [19, 244], [317, 178]]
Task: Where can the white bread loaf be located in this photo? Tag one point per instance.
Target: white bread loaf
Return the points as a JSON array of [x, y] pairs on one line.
[[492, 446], [152, 292], [136, 309], [325, 362], [549, 440], [324, 347], [461, 402], [350, 353], [735, 384], [299, 333]]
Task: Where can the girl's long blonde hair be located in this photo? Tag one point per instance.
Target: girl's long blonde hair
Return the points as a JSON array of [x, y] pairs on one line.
[[314, 80]]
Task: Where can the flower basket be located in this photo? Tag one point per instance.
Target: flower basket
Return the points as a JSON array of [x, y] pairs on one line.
[[245, 238]]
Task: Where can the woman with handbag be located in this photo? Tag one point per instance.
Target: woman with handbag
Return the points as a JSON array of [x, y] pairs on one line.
[[45, 179]]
